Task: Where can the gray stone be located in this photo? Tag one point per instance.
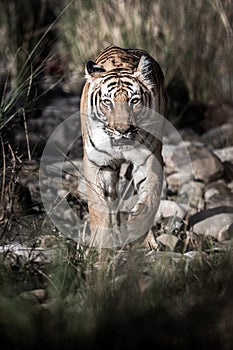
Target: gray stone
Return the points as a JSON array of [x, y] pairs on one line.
[[150, 241], [177, 158], [187, 160], [194, 254], [219, 137], [41, 294], [226, 231], [206, 166], [192, 193], [176, 180], [37, 255], [34, 296], [29, 298], [217, 187], [168, 240], [218, 194], [168, 208], [165, 258], [215, 222], [167, 153], [48, 241], [224, 154], [230, 186]]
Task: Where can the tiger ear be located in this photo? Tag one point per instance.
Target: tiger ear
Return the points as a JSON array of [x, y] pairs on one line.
[[144, 70], [93, 70]]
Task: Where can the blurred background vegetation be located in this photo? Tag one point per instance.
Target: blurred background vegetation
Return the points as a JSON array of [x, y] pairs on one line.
[[192, 39]]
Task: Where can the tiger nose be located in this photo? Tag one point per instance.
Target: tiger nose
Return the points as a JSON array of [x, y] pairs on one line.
[[125, 128], [122, 128]]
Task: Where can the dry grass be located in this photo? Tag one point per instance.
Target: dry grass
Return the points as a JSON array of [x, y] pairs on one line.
[[193, 37], [185, 305]]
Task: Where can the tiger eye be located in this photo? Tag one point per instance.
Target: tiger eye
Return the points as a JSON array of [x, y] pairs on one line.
[[135, 100], [107, 102]]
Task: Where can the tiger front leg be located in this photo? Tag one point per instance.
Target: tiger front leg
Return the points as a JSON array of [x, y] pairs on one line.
[[101, 186], [107, 179], [148, 179]]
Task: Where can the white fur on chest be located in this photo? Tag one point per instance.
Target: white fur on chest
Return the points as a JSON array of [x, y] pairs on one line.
[[103, 151]]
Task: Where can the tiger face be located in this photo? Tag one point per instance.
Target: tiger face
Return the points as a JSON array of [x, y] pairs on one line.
[[120, 97]]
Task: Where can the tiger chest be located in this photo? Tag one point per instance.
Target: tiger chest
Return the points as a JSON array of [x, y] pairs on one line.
[[102, 150]]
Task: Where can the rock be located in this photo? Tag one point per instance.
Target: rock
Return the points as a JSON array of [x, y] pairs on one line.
[[34, 296], [150, 241], [168, 208], [68, 168], [219, 137], [192, 193], [216, 222], [176, 158], [219, 200], [224, 154], [206, 166], [73, 178], [165, 258], [176, 180], [48, 241], [226, 231], [15, 252], [29, 298], [167, 153], [168, 240], [62, 193], [218, 194], [41, 294], [216, 187], [194, 254], [189, 134], [230, 185], [186, 161]]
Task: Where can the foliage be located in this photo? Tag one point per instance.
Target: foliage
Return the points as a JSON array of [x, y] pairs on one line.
[[193, 37]]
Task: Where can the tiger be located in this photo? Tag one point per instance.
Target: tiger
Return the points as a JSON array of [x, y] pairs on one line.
[[123, 96]]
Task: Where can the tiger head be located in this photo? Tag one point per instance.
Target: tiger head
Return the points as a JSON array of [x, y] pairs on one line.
[[118, 96]]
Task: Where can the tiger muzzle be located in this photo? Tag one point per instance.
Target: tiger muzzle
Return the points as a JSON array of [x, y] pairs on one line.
[[122, 122], [122, 131]]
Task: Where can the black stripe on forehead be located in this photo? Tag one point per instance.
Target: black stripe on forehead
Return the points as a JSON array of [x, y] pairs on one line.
[[116, 80], [118, 73], [125, 79], [112, 86], [128, 85]]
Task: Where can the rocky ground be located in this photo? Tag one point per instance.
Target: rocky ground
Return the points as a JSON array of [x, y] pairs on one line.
[[196, 211], [195, 217]]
